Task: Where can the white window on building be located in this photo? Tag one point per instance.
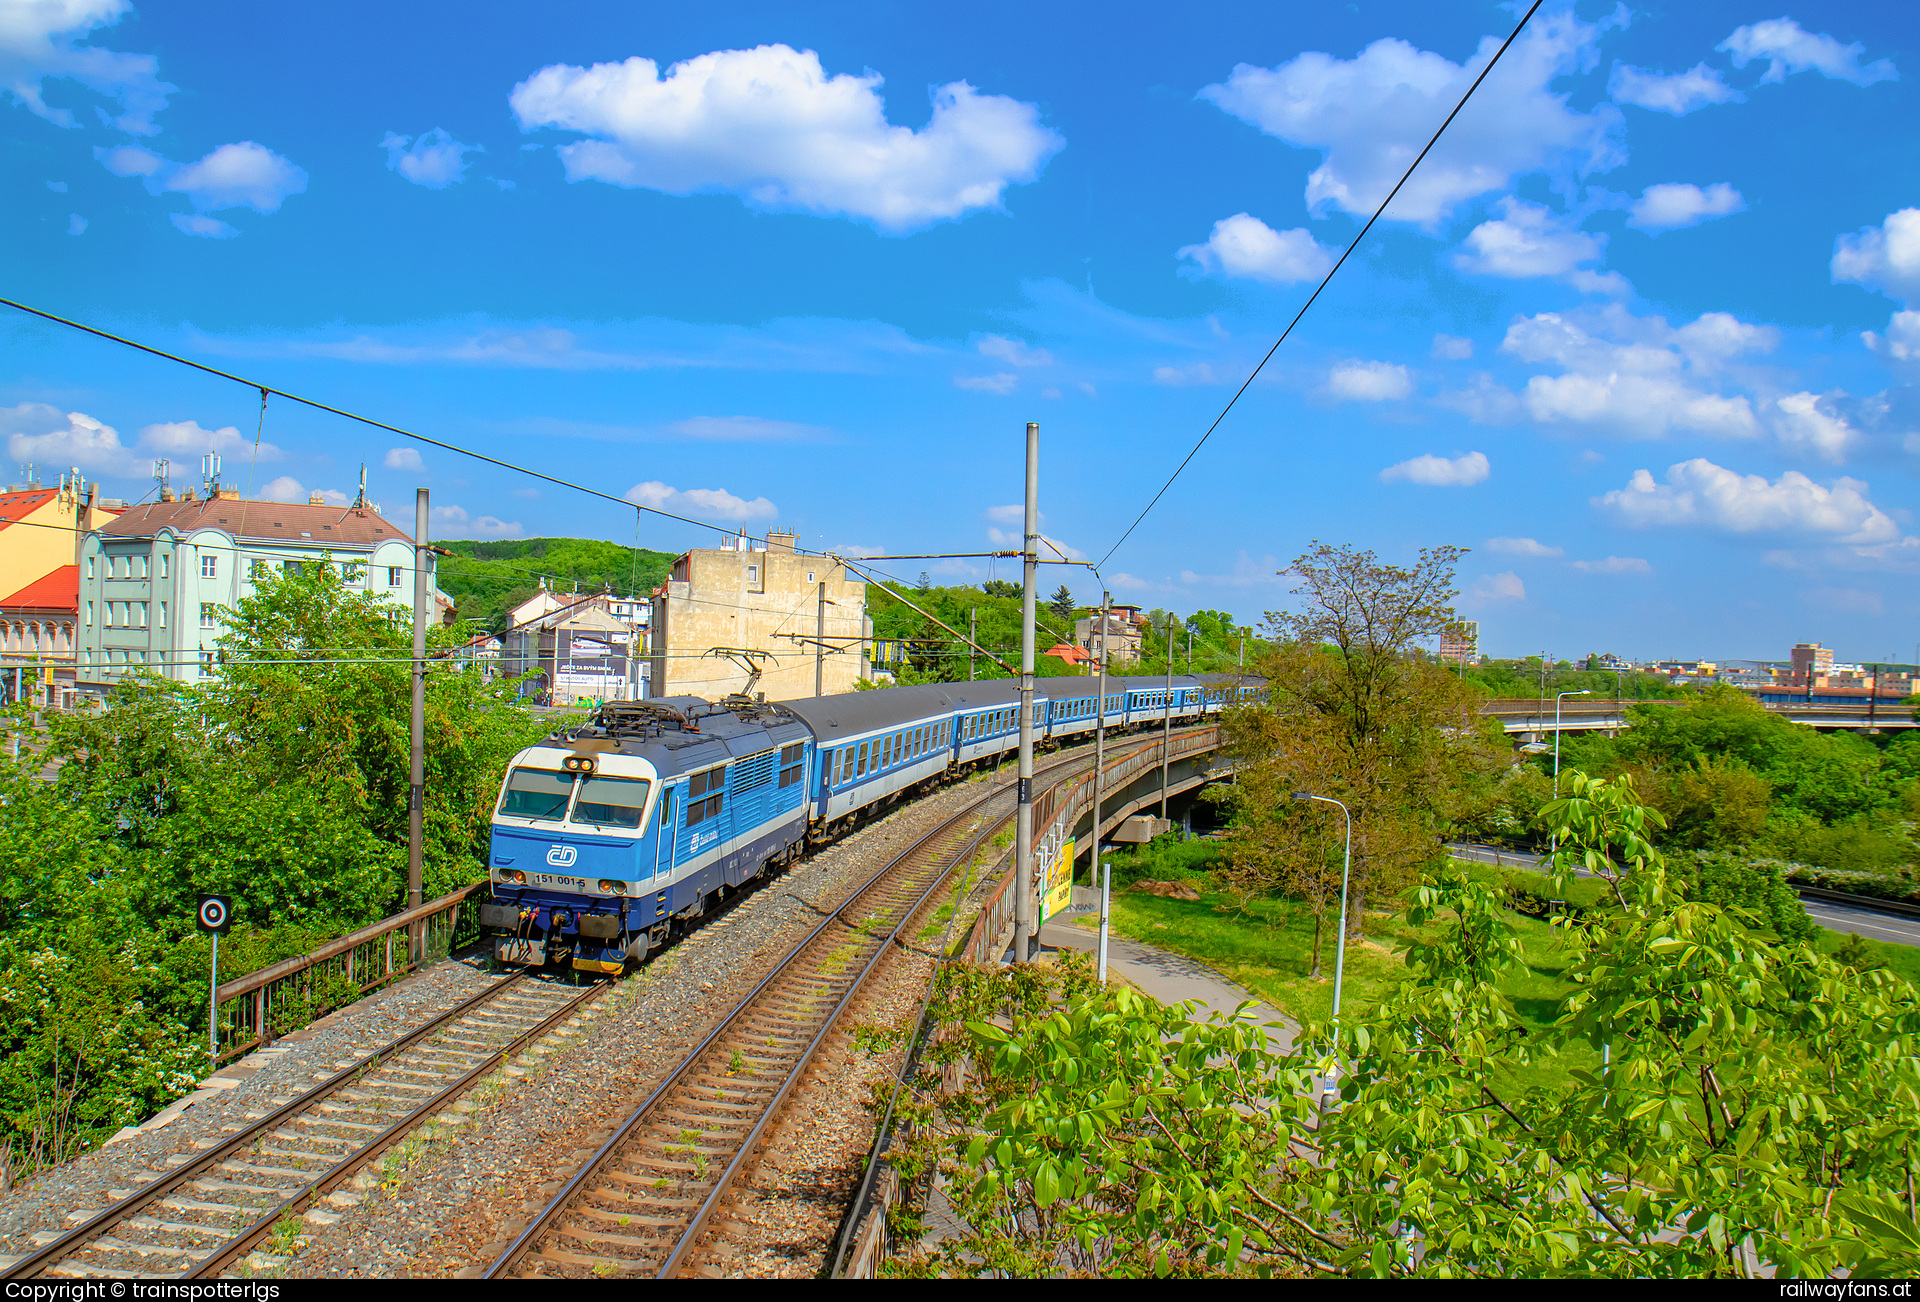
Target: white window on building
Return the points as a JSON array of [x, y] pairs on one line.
[[89, 567], [163, 565], [206, 664], [163, 615], [206, 615], [393, 576], [140, 566], [207, 564], [143, 612], [289, 567], [89, 614], [754, 583]]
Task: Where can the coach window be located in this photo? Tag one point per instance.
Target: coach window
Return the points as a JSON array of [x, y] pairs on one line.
[[860, 771]]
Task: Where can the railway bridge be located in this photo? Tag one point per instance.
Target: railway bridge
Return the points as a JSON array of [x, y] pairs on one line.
[[1533, 719]]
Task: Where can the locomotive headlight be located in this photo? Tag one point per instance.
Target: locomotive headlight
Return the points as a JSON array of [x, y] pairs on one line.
[[577, 764], [513, 877], [609, 887]]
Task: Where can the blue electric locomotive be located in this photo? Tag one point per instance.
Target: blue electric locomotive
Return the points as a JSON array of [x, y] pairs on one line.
[[609, 835]]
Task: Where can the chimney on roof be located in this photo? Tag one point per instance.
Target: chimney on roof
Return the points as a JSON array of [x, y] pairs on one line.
[[779, 541], [166, 494], [186, 495], [316, 499], [227, 494]]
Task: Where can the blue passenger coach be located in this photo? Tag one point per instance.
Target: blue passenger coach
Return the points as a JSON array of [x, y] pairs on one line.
[[608, 835]]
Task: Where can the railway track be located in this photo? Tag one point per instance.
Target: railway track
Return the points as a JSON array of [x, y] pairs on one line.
[[204, 1219], [640, 1204]]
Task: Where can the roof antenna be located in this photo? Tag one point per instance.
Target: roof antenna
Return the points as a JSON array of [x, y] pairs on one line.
[[360, 502]]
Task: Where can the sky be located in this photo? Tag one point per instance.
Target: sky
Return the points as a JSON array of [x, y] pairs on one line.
[[1642, 332]]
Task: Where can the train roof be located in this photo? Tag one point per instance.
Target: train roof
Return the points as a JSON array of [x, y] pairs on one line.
[[681, 734], [854, 714]]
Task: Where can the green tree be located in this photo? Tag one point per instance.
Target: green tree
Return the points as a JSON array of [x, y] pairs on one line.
[[1061, 603]]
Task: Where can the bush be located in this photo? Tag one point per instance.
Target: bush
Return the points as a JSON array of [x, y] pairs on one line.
[[1734, 881], [1168, 859], [1531, 893], [1880, 886]]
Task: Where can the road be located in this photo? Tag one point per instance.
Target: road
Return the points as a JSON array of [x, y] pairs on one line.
[[1859, 920]]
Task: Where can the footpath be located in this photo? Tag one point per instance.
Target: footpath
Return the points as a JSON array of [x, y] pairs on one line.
[[1171, 978]]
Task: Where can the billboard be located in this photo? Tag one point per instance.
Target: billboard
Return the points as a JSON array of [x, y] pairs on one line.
[[1057, 890]]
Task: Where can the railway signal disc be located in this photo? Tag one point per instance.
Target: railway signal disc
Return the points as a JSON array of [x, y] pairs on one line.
[[215, 914]]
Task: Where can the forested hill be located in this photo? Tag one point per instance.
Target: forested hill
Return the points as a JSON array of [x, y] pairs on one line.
[[488, 579]]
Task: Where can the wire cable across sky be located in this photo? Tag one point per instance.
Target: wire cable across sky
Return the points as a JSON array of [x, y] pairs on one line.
[[1194, 451]]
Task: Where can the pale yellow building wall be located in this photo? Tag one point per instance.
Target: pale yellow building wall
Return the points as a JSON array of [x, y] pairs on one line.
[[46, 538], [711, 601]]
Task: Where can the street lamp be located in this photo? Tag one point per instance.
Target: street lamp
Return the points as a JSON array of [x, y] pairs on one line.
[[1556, 737], [1340, 944]]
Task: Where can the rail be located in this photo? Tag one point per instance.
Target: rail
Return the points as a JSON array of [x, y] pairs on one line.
[[1067, 800], [285, 996]]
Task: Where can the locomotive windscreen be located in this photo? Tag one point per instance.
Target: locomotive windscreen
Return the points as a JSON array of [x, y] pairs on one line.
[[611, 802], [536, 793]]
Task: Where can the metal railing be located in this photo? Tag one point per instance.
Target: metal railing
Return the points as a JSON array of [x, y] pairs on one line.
[[1067, 800], [254, 1009]]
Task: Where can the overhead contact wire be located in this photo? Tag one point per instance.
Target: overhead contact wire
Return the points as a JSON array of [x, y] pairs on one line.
[[1323, 284]]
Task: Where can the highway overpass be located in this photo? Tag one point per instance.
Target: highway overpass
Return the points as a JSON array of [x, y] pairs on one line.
[[1532, 719]]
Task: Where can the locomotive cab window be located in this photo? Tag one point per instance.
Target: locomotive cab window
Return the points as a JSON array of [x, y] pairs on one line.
[[611, 802], [536, 793], [790, 763]]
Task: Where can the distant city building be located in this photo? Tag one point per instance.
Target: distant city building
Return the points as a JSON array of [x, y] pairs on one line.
[[155, 580], [1119, 641], [571, 647], [39, 640], [1811, 662], [1688, 668], [1460, 643], [753, 617], [1614, 664]]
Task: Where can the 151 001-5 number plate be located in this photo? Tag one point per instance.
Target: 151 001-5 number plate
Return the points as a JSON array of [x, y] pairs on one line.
[[553, 879]]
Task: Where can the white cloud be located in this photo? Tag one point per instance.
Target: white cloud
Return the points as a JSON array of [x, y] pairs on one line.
[[1614, 565], [1483, 401], [1884, 257], [1810, 424], [486, 526], [50, 437], [1014, 352], [1901, 342], [1522, 547], [1248, 248], [1678, 93], [1636, 376], [38, 40], [1499, 587], [76, 224], [288, 489], [185, 438], [1525, 241], [404, 459], [769, 125], [1179, 376], [243, 175], [1452, 348], [1441, 472], [1014, 514], [211, 228], [745, 429], [1790, 49], [702, 503], [1672, 206], [1002, 384], [1360, 381], [129, 160], [1246, 573], [1371, 115], [433, 159], [1698, 492]]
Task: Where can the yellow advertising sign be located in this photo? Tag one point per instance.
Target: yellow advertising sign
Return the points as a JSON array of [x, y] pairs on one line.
[[1060, 880]]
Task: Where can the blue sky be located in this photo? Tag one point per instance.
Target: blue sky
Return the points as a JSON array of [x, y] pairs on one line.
[[1642, 332]]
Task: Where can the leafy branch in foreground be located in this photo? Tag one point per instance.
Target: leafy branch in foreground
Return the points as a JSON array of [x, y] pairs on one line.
[[1719, 1102]]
